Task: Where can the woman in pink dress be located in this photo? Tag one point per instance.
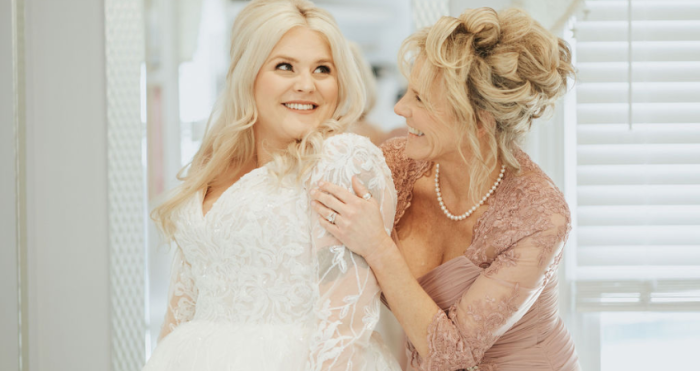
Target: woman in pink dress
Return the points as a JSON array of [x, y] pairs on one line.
[[470, 267]]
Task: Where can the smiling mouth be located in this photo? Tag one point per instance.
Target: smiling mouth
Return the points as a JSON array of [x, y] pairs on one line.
[[300, 106], [415, 132]]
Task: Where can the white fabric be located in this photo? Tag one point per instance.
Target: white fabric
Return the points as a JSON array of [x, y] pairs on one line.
[[258, 284]]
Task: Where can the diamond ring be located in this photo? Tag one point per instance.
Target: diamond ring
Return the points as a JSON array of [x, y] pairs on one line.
[[367, 196], [331, 218]]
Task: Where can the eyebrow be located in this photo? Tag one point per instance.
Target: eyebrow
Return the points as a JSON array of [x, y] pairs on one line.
[[320, 61]]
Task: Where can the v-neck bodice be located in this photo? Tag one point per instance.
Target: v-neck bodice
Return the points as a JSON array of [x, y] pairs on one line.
[[447, 282], [498, 301], [257, 283], [253, 240], [260, 171]]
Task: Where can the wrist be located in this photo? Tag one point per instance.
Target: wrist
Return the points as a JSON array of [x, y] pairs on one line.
[[382, 253]]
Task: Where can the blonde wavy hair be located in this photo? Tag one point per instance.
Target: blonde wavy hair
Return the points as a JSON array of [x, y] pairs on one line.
[[498, 71], [229, 141], [367, 76]]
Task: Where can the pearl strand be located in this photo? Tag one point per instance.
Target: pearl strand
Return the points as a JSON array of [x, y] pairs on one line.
[[470, 211]]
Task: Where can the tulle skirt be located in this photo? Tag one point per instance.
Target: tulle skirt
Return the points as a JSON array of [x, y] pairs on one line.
[[218, 346]]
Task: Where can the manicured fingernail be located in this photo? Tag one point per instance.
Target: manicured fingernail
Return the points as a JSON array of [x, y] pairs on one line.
[[321, 183]]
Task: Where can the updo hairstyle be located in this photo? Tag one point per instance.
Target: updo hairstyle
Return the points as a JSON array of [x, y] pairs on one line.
[[498, 71]]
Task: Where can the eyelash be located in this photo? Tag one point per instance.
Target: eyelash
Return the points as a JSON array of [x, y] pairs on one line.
[[279, 65], [326, 69], [418, 98]]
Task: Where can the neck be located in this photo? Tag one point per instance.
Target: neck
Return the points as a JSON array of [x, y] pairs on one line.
[[264, 147], [262, 155], [454, 177], [455, 182]]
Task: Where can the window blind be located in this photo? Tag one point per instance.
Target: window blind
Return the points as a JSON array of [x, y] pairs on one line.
[[638, 155]]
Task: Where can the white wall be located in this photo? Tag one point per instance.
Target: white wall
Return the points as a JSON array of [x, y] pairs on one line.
[[9, 348], [68, 266], [457, 6]]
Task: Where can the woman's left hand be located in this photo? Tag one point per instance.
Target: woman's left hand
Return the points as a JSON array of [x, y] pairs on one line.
[[358, 223]]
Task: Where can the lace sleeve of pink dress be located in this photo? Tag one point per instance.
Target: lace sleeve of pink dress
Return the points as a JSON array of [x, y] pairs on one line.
[[498, 299], [182, 294], [520, 238]]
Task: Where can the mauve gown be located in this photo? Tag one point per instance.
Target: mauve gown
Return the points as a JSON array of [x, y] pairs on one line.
[[499, 300]]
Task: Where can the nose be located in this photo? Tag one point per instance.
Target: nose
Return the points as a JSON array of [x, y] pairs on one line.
[[304, 83], [401, 109]]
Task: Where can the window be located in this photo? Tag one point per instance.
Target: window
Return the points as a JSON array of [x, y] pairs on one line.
[[637, 210]]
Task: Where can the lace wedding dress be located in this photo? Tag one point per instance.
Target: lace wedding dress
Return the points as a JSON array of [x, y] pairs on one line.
[[258, 284]]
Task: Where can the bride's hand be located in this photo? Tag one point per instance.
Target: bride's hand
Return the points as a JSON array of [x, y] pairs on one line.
[[358, 222]]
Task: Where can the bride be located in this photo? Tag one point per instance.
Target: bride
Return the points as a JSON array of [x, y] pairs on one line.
[[257, 283]]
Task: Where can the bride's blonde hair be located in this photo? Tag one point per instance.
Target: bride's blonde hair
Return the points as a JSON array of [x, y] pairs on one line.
[[229, 141], [503, 67]]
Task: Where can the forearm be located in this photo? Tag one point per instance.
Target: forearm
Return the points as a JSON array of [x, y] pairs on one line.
[[412, 306]]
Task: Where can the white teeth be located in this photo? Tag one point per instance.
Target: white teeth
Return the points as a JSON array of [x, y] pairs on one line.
[[415, 131], [297, 106]]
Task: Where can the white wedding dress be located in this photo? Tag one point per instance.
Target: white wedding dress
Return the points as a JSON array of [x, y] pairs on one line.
[[258, 284]]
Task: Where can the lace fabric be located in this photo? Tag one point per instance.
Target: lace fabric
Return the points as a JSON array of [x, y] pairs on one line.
[[348, 305], [182, 294], [259, 270], [518, 244]]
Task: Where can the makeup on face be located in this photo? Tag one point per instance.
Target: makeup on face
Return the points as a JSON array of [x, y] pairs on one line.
[[429, 136], [297, 87]]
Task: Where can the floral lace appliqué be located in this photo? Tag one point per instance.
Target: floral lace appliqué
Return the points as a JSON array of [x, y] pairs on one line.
[[518, 238], [260, 256]]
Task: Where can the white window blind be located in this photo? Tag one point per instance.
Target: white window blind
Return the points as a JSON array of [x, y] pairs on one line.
[[638, 156]]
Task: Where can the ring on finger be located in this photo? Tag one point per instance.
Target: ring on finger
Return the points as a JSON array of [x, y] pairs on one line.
[[331, 217], [367, 196]]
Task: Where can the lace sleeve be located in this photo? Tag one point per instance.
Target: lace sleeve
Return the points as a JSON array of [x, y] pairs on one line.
[[496, 300], [347, 308], [182, 294]]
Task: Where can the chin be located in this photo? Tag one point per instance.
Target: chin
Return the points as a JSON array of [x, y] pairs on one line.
[[415, 152], [298, 130]]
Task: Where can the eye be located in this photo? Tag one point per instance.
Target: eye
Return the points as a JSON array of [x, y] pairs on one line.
[[322, 69], [284, 66], [418, 98]]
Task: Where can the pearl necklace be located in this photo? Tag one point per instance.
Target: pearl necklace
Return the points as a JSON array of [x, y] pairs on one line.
[[470, 211]]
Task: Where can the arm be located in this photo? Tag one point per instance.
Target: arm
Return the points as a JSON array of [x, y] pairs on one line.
[[529, 252], [494, 303], [347, 308], [182, 295]]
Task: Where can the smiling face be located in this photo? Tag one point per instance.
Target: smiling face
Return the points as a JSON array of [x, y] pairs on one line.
[[430, 136], [296, 89]]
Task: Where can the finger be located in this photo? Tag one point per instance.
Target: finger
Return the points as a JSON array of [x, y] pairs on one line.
[[330, 227], [322, 210], [339, 192], [328, 200], [358, 186]]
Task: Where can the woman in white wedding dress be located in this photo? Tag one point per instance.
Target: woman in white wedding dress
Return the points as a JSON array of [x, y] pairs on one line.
[[256, 283]]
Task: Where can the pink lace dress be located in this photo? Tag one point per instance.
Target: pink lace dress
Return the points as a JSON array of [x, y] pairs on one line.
[[499, 300]]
